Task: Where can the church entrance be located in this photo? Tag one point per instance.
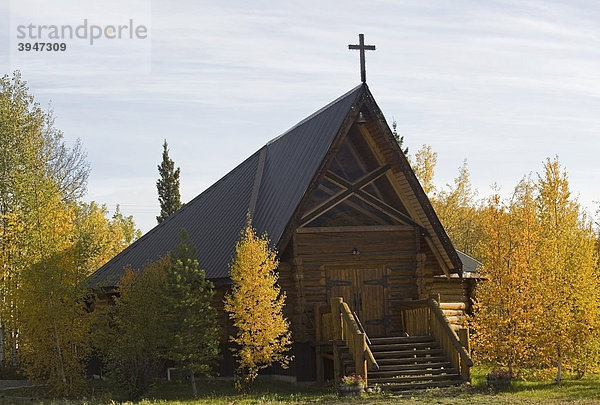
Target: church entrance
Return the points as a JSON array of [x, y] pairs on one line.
[[363, 289]]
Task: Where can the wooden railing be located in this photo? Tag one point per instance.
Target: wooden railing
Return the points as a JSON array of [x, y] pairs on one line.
[[425, 317], [339, 327]]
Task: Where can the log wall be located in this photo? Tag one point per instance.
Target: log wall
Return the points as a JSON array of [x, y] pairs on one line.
[[306, 273], [454, 293]]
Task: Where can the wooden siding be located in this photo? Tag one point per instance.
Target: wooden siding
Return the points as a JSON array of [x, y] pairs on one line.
[[391, 251], [454, 292]]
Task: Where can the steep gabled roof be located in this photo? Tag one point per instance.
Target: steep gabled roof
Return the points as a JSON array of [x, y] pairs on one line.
[[273, 184], [269, 184]]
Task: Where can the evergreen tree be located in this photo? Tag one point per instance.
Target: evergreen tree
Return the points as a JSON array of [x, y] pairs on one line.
[[255, 305], [399, 139], [193, 322], [167, 186]]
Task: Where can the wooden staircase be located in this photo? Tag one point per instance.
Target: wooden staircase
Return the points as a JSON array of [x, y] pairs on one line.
[[430, 355], [409, 363]]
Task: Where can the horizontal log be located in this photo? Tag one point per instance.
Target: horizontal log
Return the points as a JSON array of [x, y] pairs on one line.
[[347, 257], [365, 246], [392, 295], [401, 285], [401, 277], [455, 319], [447, 289], [320, 283], [348, 229], [365, 243], [453, 305], [448, 284], [453, 298], [402, 271], [313, 272], [453, 312], [302, 238], [381, 239]]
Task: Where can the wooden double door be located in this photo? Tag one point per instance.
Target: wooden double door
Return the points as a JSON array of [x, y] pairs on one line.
[[363, 289]]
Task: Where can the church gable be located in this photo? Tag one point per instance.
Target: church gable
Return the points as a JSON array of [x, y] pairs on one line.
[[338, 167], [365, 181], [355, 190]]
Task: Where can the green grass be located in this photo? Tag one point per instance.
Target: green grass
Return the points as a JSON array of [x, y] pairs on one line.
[[572, 391]]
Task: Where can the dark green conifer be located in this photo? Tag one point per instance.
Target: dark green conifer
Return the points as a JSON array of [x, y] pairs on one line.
[[399, 139], [193, 321], [168, 186]]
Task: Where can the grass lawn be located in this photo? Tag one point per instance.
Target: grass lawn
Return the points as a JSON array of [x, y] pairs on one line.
[[584, 391]]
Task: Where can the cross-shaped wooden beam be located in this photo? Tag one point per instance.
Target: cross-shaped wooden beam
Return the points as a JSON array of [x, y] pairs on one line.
[[362, 47]]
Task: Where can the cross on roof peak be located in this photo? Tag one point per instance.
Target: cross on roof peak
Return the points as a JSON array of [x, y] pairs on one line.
[[362, 47]]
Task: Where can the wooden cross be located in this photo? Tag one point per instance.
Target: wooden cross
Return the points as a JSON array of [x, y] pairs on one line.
[[362, 47]]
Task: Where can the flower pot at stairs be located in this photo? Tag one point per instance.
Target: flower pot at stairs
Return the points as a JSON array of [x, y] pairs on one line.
[[351, 390]]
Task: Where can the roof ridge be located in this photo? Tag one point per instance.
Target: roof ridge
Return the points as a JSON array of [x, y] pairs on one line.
[[257, 173], [319, 111]]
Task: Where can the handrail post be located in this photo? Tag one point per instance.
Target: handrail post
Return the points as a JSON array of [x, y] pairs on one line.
[[336, 316], [336, 320], [318, 322], [360, 363], [403, 320], [337, 364], [318, 340], [464, 338]]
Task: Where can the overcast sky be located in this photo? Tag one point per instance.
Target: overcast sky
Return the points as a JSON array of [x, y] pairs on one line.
[[503, 84]]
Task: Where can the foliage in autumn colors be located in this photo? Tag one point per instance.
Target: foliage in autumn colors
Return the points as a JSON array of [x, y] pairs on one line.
[[132, 335], [49, 244], [255, 306], [162, 315], [539, 303]]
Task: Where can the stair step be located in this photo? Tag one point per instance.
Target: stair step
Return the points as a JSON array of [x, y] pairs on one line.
[[400, 339], [415, 378], [411, 372], [419, 385], [411, 360], [403, 346], [412, 366], [405, 353]]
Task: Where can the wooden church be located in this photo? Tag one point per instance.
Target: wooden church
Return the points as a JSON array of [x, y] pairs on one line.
[[373, 283]]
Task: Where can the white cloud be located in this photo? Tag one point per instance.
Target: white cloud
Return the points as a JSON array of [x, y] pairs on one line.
[[502, 83]]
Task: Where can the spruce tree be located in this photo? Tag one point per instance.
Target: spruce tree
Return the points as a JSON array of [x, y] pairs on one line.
[[399, 139], [193, 321], [167, 186]]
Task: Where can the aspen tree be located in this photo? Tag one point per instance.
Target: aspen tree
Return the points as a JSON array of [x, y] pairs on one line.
[[569, 276], [540, 303], [424, 168], [255, 306]]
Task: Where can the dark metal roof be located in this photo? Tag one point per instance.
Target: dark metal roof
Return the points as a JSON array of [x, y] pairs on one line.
[[470, 265], [269, 184]]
